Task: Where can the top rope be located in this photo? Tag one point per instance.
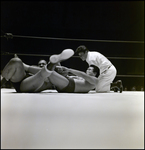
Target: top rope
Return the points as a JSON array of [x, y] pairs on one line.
[[10, 35]]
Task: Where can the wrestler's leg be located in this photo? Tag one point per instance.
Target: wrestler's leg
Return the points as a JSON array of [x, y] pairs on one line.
[[45, 86], [65, 54], [31, 69], [34, 69], [55, 78], [58, 80], [14, 70], [28, 68], [34, 83]]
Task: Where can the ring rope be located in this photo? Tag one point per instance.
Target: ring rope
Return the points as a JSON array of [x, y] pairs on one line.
[[130, 76], [10, 35], [7, 53]]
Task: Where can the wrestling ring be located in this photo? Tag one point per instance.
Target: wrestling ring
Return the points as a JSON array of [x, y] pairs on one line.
[[52, 120]]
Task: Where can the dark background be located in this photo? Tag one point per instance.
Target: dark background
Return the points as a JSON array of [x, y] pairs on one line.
[[98, 20]]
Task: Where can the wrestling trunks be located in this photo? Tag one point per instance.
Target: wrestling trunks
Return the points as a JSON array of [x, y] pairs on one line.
[[69, 88]]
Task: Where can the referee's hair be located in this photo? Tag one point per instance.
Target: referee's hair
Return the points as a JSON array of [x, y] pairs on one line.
[[81, 48]]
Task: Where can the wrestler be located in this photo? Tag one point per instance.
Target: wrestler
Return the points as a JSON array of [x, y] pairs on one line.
[[42, 63], [15, 71]]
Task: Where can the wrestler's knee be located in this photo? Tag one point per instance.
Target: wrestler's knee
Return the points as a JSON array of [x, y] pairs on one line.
[[15, 61], [14, 69]]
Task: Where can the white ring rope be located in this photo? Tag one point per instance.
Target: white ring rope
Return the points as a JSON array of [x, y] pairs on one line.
[[68, 39], [7, 53], [10, 35], [130, 76]]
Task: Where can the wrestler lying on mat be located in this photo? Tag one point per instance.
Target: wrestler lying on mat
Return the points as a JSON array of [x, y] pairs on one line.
[[44, 78]]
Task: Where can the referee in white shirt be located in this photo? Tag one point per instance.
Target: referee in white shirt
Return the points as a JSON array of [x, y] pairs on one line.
[[107, 69]]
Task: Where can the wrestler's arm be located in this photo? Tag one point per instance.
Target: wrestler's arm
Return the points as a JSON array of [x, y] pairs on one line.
[[90, 79], [76, 77]]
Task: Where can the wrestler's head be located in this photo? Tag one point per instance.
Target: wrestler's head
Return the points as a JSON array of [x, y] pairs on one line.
[[42, 63], [93, 71]]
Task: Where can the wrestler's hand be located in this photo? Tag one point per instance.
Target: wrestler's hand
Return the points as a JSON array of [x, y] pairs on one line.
[[62, 69], [65, 69]]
